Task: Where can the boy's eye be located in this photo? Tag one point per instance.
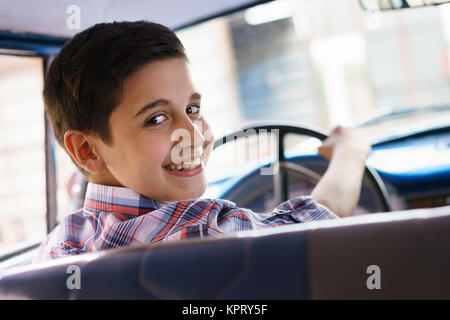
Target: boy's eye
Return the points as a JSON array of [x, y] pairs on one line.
[[193, 110], [159, 118]]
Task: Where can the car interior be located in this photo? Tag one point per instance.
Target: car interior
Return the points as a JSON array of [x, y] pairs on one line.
[[283, 71]]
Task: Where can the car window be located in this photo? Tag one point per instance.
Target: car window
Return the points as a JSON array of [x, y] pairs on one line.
[[22, 152]]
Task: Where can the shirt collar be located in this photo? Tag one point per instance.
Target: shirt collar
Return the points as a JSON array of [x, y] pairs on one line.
[[121, 200]]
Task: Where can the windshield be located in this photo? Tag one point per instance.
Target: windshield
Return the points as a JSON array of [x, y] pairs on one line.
[[323, 63]]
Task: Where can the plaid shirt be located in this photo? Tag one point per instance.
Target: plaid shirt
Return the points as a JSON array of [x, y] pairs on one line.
[[115, 217]]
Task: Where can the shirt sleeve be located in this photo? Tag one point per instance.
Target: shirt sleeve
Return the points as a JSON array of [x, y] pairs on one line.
[[52, 247], [304, 209], [301, 209]]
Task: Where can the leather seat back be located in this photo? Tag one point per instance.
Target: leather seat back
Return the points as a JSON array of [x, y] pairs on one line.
[[318, 260]]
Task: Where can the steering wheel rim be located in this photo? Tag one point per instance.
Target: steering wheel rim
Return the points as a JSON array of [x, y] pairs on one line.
[[282, 164]]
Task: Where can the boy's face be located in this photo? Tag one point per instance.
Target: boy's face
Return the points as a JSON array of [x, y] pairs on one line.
[[158, 105]]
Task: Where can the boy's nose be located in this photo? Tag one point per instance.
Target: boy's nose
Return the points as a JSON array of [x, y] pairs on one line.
[[194, 133], [189, 141]]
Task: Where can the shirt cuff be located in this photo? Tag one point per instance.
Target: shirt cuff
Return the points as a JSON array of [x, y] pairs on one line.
[[304, 209]]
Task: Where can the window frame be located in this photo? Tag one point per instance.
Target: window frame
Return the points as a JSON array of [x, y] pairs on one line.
[[29, 45]]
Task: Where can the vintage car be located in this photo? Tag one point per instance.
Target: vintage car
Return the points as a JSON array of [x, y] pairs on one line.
[[276, 77]]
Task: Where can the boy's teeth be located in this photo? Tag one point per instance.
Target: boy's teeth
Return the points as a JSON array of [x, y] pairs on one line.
[[186, 166]]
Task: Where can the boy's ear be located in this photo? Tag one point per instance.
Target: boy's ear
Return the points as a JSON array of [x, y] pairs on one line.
[[80, 147]]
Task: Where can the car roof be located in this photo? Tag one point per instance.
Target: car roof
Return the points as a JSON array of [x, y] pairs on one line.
[[49, 17]]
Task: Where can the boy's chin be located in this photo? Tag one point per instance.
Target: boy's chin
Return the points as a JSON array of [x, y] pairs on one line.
[[188, 193], [191, 195]]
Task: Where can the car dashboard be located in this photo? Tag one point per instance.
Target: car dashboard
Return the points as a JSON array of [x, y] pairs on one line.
[[415, 169]]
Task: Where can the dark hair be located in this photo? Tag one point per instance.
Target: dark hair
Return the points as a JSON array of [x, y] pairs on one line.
[[85, 81]]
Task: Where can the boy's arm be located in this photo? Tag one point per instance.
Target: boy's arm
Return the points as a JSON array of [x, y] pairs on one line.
[[339, 188]]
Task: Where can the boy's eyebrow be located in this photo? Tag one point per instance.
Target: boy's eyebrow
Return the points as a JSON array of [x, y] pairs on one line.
[[163, 102], [196, 96], [151, 105]]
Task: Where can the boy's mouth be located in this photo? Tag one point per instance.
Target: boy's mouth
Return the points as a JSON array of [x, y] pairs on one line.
[[184, 165], [185, 168]]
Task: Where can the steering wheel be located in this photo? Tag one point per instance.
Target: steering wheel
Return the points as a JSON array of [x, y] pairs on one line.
[[282, 166]]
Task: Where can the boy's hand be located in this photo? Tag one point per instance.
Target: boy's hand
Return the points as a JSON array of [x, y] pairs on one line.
[[345, 141], [347, 150]]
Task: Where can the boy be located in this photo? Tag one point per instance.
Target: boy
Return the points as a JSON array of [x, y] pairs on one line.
[[115, 94]]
